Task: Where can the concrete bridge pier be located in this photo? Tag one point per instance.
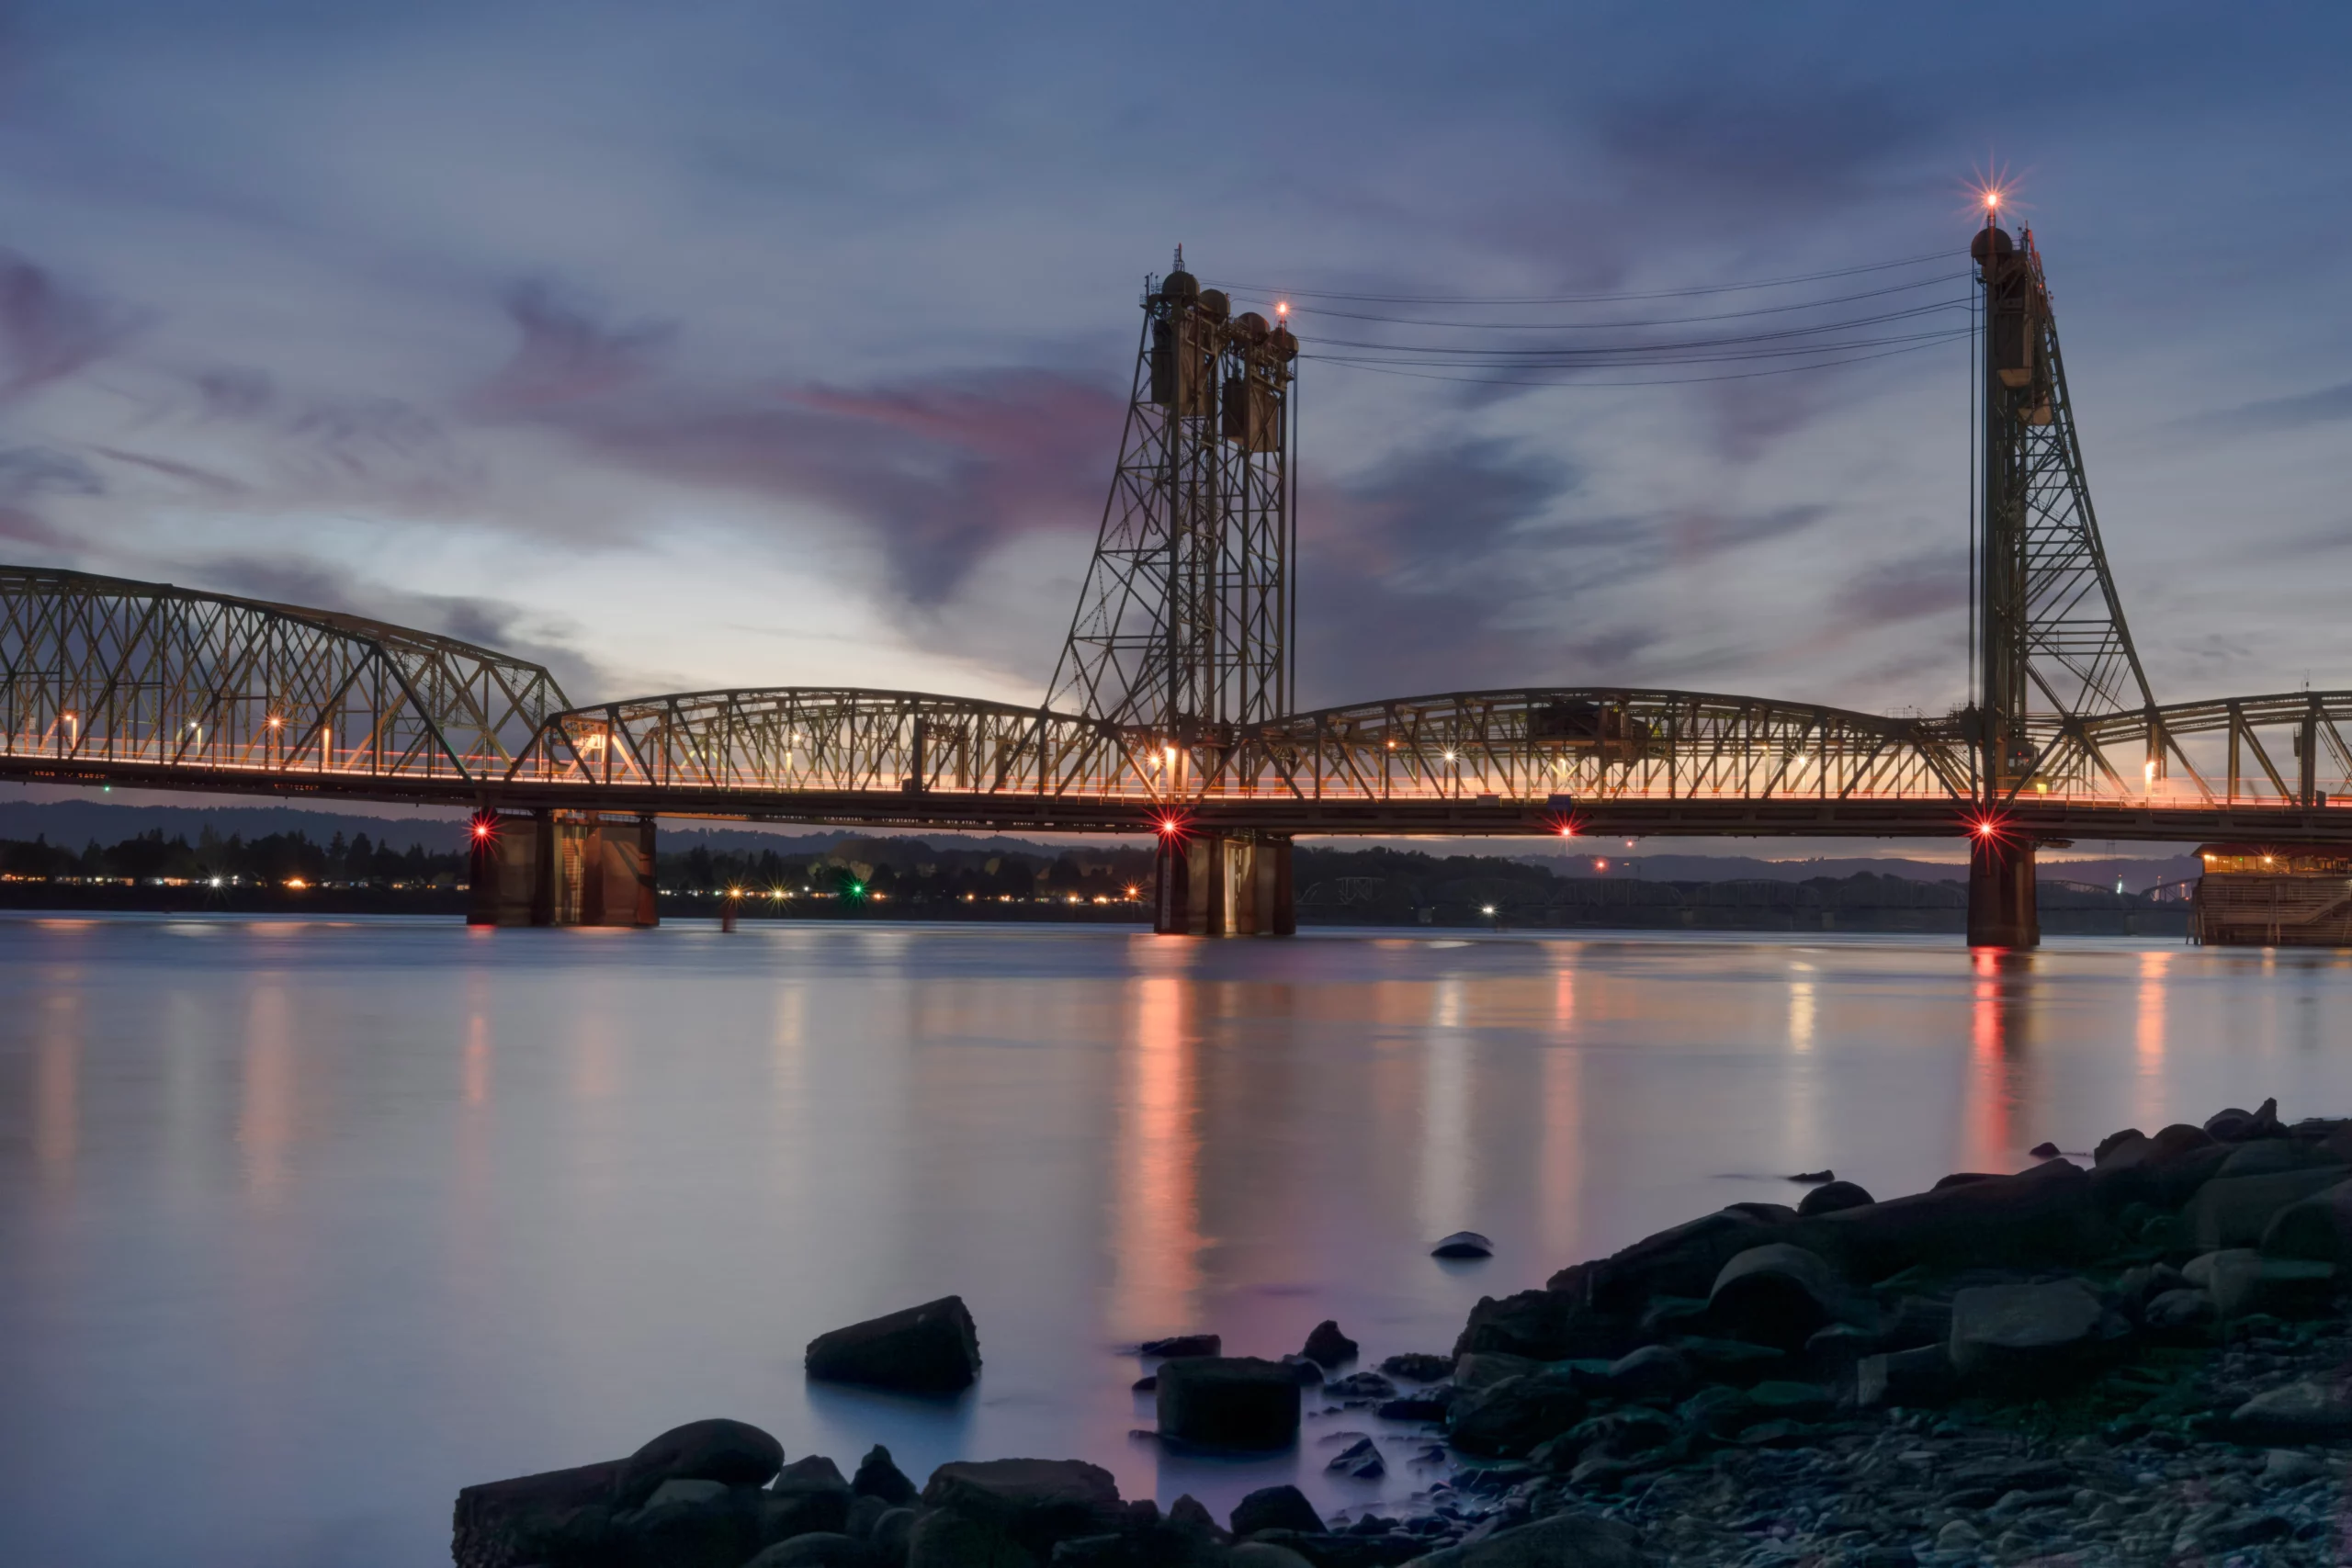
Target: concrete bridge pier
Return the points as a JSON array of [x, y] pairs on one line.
[[2000, 893], [561, 868], [1223, 885]]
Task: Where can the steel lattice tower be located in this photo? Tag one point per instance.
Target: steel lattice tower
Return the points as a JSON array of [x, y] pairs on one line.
[[1185, 622], [2055, 648]]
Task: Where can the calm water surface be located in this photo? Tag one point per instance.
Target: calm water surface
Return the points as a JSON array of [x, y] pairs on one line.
[[305, 1224]]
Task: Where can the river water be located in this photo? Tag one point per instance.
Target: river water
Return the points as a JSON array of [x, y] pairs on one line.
[[305, 1225]]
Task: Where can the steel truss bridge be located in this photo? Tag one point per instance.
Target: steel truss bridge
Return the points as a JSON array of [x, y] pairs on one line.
[[1178, 666]]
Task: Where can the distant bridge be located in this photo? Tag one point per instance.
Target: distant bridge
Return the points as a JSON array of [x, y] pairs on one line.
[[1174, 715]]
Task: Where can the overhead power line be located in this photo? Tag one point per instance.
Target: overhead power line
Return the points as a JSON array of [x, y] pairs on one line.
[[1787, 282]]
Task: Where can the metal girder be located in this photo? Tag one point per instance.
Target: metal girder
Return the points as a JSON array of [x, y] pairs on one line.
[[105, 670]]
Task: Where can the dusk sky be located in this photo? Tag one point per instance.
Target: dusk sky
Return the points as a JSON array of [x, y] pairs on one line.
[[751, 344]]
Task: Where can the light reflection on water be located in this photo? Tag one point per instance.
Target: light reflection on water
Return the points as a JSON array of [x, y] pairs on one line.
[[305, 1225]]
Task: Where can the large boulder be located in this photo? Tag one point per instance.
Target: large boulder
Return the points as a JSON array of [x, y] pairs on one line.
[[1181, 1344], [2234, 1211], [1545, 1326], [1327, 1347], [733, 1453], [505, 1524], [1564, 1541], [931, 1349], [2165, 1170], [2268, 1156], [2242, 1281], [1682, 1261], [1037, 1502], [2014, 1336], [2317, 1226], [1832, 1196], [944, 1538], [693, 1528], [2039, 1216], [1231, 1402], [1510, 1418], [2308, 1412], [1775, 1294], [1914, 1377], [877, 1476], [1277, 1508], [819, 1549], [2236, 1127]]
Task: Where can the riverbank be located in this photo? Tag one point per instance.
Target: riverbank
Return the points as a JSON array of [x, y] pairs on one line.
[[2138, 1356]]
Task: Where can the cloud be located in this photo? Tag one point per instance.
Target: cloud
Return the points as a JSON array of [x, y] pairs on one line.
[[1917, 586], [49, 332], [936, 472], [518, 630], [2264, 415], [564, 354]]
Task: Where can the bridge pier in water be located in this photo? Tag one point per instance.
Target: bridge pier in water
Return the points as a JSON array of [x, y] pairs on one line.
[[562, 868], [1223, 885], [2000, 893]]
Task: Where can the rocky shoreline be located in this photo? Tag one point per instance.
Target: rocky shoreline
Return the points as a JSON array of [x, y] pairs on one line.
[[2140, 1360]]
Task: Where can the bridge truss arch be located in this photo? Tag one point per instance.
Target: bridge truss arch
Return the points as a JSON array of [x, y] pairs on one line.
[[145, 682]]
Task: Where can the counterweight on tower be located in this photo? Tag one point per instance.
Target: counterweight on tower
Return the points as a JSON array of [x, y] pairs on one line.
[[1184, 624]]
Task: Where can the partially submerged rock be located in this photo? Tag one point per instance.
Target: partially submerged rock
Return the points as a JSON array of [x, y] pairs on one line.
[[1233, 1402], [931, 1349], [1178, 1345], [733, 1453], [1463, 1244], [1275, 1507], [1327, 1347]]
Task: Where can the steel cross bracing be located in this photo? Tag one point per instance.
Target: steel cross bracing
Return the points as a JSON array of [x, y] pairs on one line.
[[97, 671], [1183, 624], [2057, 650]]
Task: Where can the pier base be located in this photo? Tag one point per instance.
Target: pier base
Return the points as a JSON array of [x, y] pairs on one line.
[[2000, 894], [563, 869], [1223, 885]]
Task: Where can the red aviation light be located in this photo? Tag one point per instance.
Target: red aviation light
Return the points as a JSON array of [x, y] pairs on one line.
[[485, 828], [1988, 827], [1169, 826]]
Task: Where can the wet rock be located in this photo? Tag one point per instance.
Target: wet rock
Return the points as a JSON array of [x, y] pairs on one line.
[[687, 1491], [819, 1549], [2006, 1337], [1963, 1179], [2241, 1282], [1327, 1347], [1833, 1196], [1414, 1408], [1419, 1367], [2270, 1157], [1812, 1176], [1236, 1402], [694, 1529], [2184, 1313], [1035, 1502], [1276, 1507], [1147, 1383], [891, 1532], [1731, 1360], [1304, 1372], [2292, 1467], [733, 1453], [1565, 1540], [1510, 1417], [1180, 1345], [2044, 1151], [1598, 1301], [808, 1495], [1360, 1385], [2043, 1217], [944, 1537], [931, 1349], [2234, 1211], [2165, 1170], [2236, 1127], [2308, 1412], [1775, 1294], [1265, 1554], [1778, 1399], [865, 1513], [502, 1522], [878, 1477], [2317, 1226], [2114, 1141], [1359, 1460], [813, 1471], [1653, 1369], [1463, 1244], [1715, 1412], [1918, 1377]]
